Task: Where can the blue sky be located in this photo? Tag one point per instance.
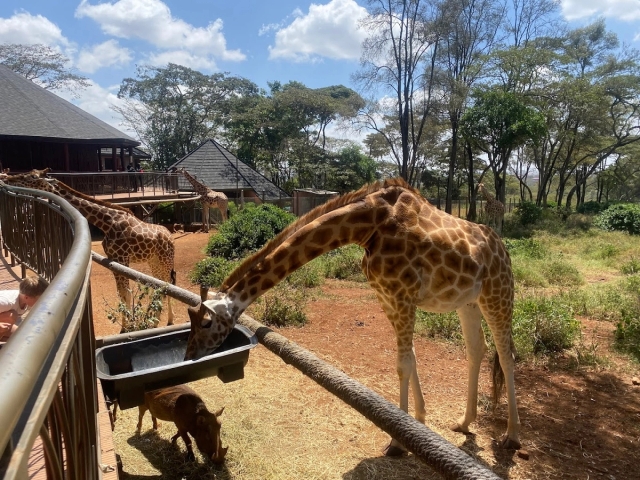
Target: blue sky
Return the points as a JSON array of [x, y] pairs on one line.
[[317, 44]]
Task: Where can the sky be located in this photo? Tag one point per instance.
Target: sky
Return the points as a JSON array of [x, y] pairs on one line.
[[317, 44]]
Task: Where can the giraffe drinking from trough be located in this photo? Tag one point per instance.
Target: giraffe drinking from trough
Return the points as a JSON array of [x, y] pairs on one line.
[[414, 256], [127, 239], [208, 198]]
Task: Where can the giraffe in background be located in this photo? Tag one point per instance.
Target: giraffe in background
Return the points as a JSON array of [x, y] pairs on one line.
[[415, 256], [208, 198], [127, 239], [493, 208]]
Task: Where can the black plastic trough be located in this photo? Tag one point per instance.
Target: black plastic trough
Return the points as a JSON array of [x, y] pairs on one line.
[[128, 370]]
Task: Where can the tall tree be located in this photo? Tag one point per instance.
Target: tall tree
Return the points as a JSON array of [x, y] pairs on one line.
[[497, 124], [174, 108], [398, 58], [43, 65], [469, 30]]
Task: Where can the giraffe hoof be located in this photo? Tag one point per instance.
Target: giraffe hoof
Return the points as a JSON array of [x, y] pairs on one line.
[[394, 451], [457, 427], [510, 444]]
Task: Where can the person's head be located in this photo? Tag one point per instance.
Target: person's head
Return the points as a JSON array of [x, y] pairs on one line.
[[30, 290]]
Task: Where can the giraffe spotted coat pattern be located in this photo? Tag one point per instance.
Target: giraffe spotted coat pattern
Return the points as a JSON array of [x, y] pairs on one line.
[[493, 209], [208, 198], [127, 239], [414, 256]]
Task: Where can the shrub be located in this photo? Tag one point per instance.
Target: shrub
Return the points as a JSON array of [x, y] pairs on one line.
[[577, 221], [307, 276], [559, 272], [592, 207], [526, 247], [628, 332], [344, 263], [247, 231], [211, 272], [631, 267], [528, 213], [543, 325], [622, 217], [144, 311], [439, 325], [281, 306]]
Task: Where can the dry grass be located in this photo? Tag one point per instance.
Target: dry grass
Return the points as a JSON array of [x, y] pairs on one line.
[[278, 424]]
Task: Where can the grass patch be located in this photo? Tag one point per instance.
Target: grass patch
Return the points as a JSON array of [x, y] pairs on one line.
[[445, 326]]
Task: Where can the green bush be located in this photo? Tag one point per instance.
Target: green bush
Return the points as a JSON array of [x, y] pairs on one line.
[[211, 272], [439, 325], [543, 325], [144, 311], [631, 267], [281, 306], [592, 207], [344, 263], [247, 231], [526, 247], [308, 276], [528, 213], [623, 217], [628, 332], [559, 272]]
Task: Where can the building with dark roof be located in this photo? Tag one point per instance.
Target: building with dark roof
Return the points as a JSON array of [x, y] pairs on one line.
[[220, 170], [38, 129]]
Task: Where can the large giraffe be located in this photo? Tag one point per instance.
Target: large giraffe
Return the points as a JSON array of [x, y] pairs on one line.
[[493, 208], [414, 256], [127, 239], [208, 198]]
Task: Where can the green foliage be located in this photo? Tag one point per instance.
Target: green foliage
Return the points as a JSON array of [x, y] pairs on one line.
[[560, 272], [526, 247], [144, 311], [628, 332], [592, 207], [344, 263], [543, 325], [528, 213], [631, 267], [439, 325], [282, 306], [623, 217], [350, 170], [308, 276], [247, 231], [211, 272], [165, 212]]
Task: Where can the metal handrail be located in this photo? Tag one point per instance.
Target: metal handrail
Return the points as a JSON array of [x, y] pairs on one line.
[[47, 368]]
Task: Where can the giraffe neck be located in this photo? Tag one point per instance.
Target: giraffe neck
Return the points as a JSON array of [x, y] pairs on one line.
[[346, 225], [199, 187], [100, 216]]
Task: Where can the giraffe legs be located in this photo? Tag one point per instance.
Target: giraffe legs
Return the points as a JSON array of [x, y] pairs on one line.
[[159, 270], [470, 320], [205, 217], [505, 350], [403, 323]]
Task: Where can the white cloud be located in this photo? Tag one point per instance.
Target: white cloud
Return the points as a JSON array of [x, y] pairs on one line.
[[97, 101], [152, 21], [26, 29], [329, 30], [182, 57], [106, 54], [626, 10]]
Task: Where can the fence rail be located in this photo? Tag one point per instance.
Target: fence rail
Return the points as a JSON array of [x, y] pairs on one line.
[[47, 379]]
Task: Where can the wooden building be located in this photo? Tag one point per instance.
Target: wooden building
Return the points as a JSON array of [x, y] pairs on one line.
[[39, 129]]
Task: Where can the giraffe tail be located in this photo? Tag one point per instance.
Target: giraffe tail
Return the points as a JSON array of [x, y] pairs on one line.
[[173, 277]]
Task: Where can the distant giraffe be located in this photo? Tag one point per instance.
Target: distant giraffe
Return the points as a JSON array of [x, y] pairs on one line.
[[208, 198], [127, 239], [414, 256], [494, 209]]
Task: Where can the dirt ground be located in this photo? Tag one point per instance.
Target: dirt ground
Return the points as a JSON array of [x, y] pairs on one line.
[[578, 423]]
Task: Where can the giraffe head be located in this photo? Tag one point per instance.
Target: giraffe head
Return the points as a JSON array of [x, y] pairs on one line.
[[36, 179], [210, 325]]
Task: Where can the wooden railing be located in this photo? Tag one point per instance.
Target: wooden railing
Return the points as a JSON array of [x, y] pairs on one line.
[[47, 368]]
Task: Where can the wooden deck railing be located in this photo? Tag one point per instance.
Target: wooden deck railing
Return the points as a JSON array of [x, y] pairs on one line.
[[47, 368]]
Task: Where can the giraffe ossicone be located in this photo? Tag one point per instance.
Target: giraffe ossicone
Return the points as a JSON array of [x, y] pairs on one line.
[[414, 256]]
